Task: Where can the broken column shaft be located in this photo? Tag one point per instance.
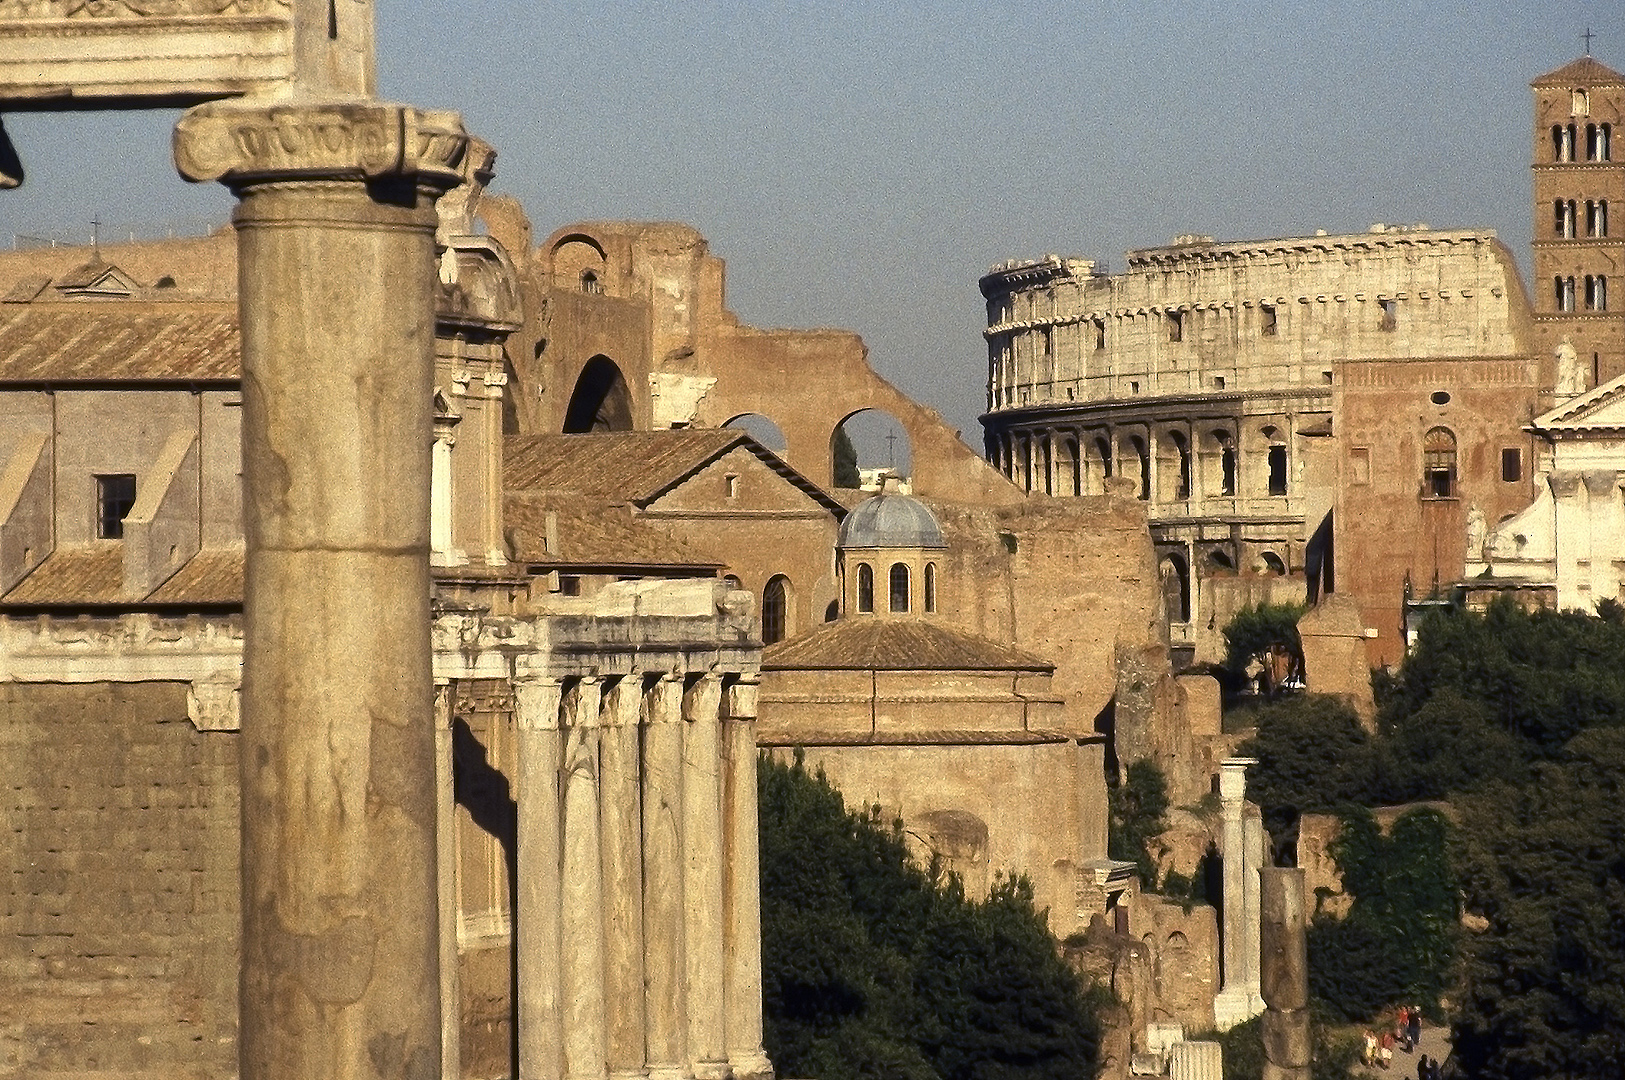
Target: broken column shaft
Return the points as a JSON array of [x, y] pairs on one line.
[[1284, 975]]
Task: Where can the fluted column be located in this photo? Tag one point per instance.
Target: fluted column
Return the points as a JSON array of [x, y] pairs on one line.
[[445, 822], [1252, 834], [537, 918], [582, 918], [335, 228], [743, 911], [621, 814], [702, 877], [666, 1032]]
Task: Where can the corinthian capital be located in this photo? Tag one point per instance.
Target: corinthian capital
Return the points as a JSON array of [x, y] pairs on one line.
[[245, 142]]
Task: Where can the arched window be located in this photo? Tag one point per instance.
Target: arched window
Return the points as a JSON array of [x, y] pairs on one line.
[[1072, 467], [1176, 589], [590, 283], [1227, 462], [1046, 451], [1103, 448], [1273, 564], [1182, 487], [899, 586], [866, 588], [776, 610], [1144, 455], [1565, 293], [930, 587], [1277, 461], [1438, 464], [1596, 292]]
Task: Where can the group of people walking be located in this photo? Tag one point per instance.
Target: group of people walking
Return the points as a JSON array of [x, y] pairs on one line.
[[1378, 1050]]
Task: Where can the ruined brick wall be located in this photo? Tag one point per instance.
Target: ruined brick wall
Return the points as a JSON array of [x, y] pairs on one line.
[[119, 931]]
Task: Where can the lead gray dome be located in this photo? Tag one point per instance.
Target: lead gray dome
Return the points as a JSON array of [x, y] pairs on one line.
[[890, 521]]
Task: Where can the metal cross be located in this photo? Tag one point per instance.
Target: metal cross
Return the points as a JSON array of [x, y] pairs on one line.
[[1587, 36], [891, 449]]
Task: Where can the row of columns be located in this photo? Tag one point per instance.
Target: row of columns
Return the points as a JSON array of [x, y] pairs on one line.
[[638, 920]]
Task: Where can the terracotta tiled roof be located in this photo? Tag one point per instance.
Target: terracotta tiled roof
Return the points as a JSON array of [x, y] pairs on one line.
[[88, 574], [107, 342], [92, 575], [1582, 72], [862, 643], [635, 466], [593, 534], [984, 737], [212, 576]]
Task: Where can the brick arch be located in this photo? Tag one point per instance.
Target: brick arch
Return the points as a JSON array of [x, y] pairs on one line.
[[573, 257], [601, 399]]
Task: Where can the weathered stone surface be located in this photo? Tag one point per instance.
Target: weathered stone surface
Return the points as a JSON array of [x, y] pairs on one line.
[[1284, 971], [1334, 655], [1287, 1038]]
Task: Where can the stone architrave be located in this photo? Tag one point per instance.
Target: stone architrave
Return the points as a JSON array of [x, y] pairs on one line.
[[335, 227]]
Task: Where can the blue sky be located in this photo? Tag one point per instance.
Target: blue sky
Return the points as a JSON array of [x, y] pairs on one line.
[[862, 167]]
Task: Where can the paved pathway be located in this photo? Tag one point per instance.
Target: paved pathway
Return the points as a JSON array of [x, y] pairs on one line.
[[1435, 1043]]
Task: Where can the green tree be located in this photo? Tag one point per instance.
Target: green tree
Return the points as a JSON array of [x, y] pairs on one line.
[[873, 967], [1313, 756], [846, 461], [1265, 635], [1138, 807], [1544, 863]]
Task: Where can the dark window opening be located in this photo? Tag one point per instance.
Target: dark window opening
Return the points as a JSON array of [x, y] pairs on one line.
[[899, 587], [1104, 449], [590, 283], [1596, 292], [569, 585], [1277, 457], [1176, 326], [1266, 320], [1182, 490], [1390, 314], [1565, 293], [1100, 333], [1145, 465], [866, 588], [1438, 464], [1218, 382], [1440, 397], [930, 587], [115, 497], [1227, 471], [1511, 465], [775, 610]]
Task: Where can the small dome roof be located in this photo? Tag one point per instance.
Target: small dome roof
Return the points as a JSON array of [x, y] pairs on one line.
[[890, 521]]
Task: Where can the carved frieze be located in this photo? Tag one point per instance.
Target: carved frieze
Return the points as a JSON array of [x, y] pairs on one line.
[[39, 10]]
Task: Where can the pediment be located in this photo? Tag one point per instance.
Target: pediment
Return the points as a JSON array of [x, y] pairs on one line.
[[97, 278], [1601, 407]]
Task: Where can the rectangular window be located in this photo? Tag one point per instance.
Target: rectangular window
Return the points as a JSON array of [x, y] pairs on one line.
[[1100, 333], [1266, 320], [1176, 326], [1390, 314], [1277, 470], [1218, 382], [1511, 465], [115, 496]]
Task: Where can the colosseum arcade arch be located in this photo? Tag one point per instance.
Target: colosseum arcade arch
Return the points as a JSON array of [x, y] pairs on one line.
[[601, 400], [878, 441]]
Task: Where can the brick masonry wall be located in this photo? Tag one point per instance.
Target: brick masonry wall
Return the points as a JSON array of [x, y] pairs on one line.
[[118, 911]]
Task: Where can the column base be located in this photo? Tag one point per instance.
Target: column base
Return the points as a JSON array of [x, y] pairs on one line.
[[630, 1074], [712, 1070], [669, 1072], [752, 1065], [1236, 1005]]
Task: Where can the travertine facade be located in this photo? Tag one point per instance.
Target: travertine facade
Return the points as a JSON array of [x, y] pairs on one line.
[[1203, 379]]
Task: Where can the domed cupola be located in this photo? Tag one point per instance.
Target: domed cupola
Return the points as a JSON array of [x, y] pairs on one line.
[[887, 553]]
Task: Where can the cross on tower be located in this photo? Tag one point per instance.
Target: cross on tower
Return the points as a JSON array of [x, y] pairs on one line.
[[1587, 36], [891, 449]]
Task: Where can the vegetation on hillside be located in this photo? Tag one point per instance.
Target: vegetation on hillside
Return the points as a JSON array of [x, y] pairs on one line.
[[875, 968], [1518, 720]]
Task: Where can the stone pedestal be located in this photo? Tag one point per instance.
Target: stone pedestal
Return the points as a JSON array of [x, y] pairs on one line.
[[335, 232]]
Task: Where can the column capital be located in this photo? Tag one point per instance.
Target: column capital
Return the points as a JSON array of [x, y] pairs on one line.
[[740, 697], [245, 141], [536, 703]]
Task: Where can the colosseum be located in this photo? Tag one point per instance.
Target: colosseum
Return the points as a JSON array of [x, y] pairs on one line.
[[1211, 378]]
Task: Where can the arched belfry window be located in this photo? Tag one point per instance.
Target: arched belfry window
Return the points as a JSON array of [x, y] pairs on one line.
[[899, 587], [930, 587], [590, 283], [1439, 464], [776, 610], [866, 588]]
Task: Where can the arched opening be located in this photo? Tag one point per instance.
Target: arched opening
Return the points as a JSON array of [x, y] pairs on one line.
[[1046, 463], [1176, 589], [1103, 465], [865, 446], [1182, 465], [930, 588], [899, 587], [731, 581], [1227, 462], [866, 588], [1277, 460], [601, 400], [1273, 566], [1220, 560], [1071, 468], [578, 263], [762, 430], [1137, 445], [1438, 464], [776, 610], [590, 283]]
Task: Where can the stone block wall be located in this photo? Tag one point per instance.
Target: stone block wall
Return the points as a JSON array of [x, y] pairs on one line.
[[119, 916]]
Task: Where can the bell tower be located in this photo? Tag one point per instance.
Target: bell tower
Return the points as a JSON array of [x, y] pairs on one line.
[[1578, 283]]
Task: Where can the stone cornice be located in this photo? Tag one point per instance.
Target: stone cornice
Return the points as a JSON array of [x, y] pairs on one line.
[[245, 142]]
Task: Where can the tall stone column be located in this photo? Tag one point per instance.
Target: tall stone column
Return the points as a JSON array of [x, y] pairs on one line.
[[538, 890], [664, 965], [622, 814], [1238, 999], [1284, 974], [702, 877], [445, 827], [582, 920], [743, 909], [1252, 834], [335, 233]]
